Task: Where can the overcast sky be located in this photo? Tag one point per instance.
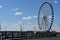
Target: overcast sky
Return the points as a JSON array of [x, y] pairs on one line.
[[24, 12]]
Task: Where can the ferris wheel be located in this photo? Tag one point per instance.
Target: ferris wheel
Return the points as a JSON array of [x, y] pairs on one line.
[[45, 17]]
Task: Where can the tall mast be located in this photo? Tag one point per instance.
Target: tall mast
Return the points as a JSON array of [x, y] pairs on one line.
[[21, 27]]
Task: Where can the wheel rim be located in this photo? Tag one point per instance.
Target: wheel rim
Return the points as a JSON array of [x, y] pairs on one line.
[[45, 16]]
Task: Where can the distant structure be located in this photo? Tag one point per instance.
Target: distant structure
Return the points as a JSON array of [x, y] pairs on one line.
[[34, 29], [0, 27], [45, 16], [21, 27]]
